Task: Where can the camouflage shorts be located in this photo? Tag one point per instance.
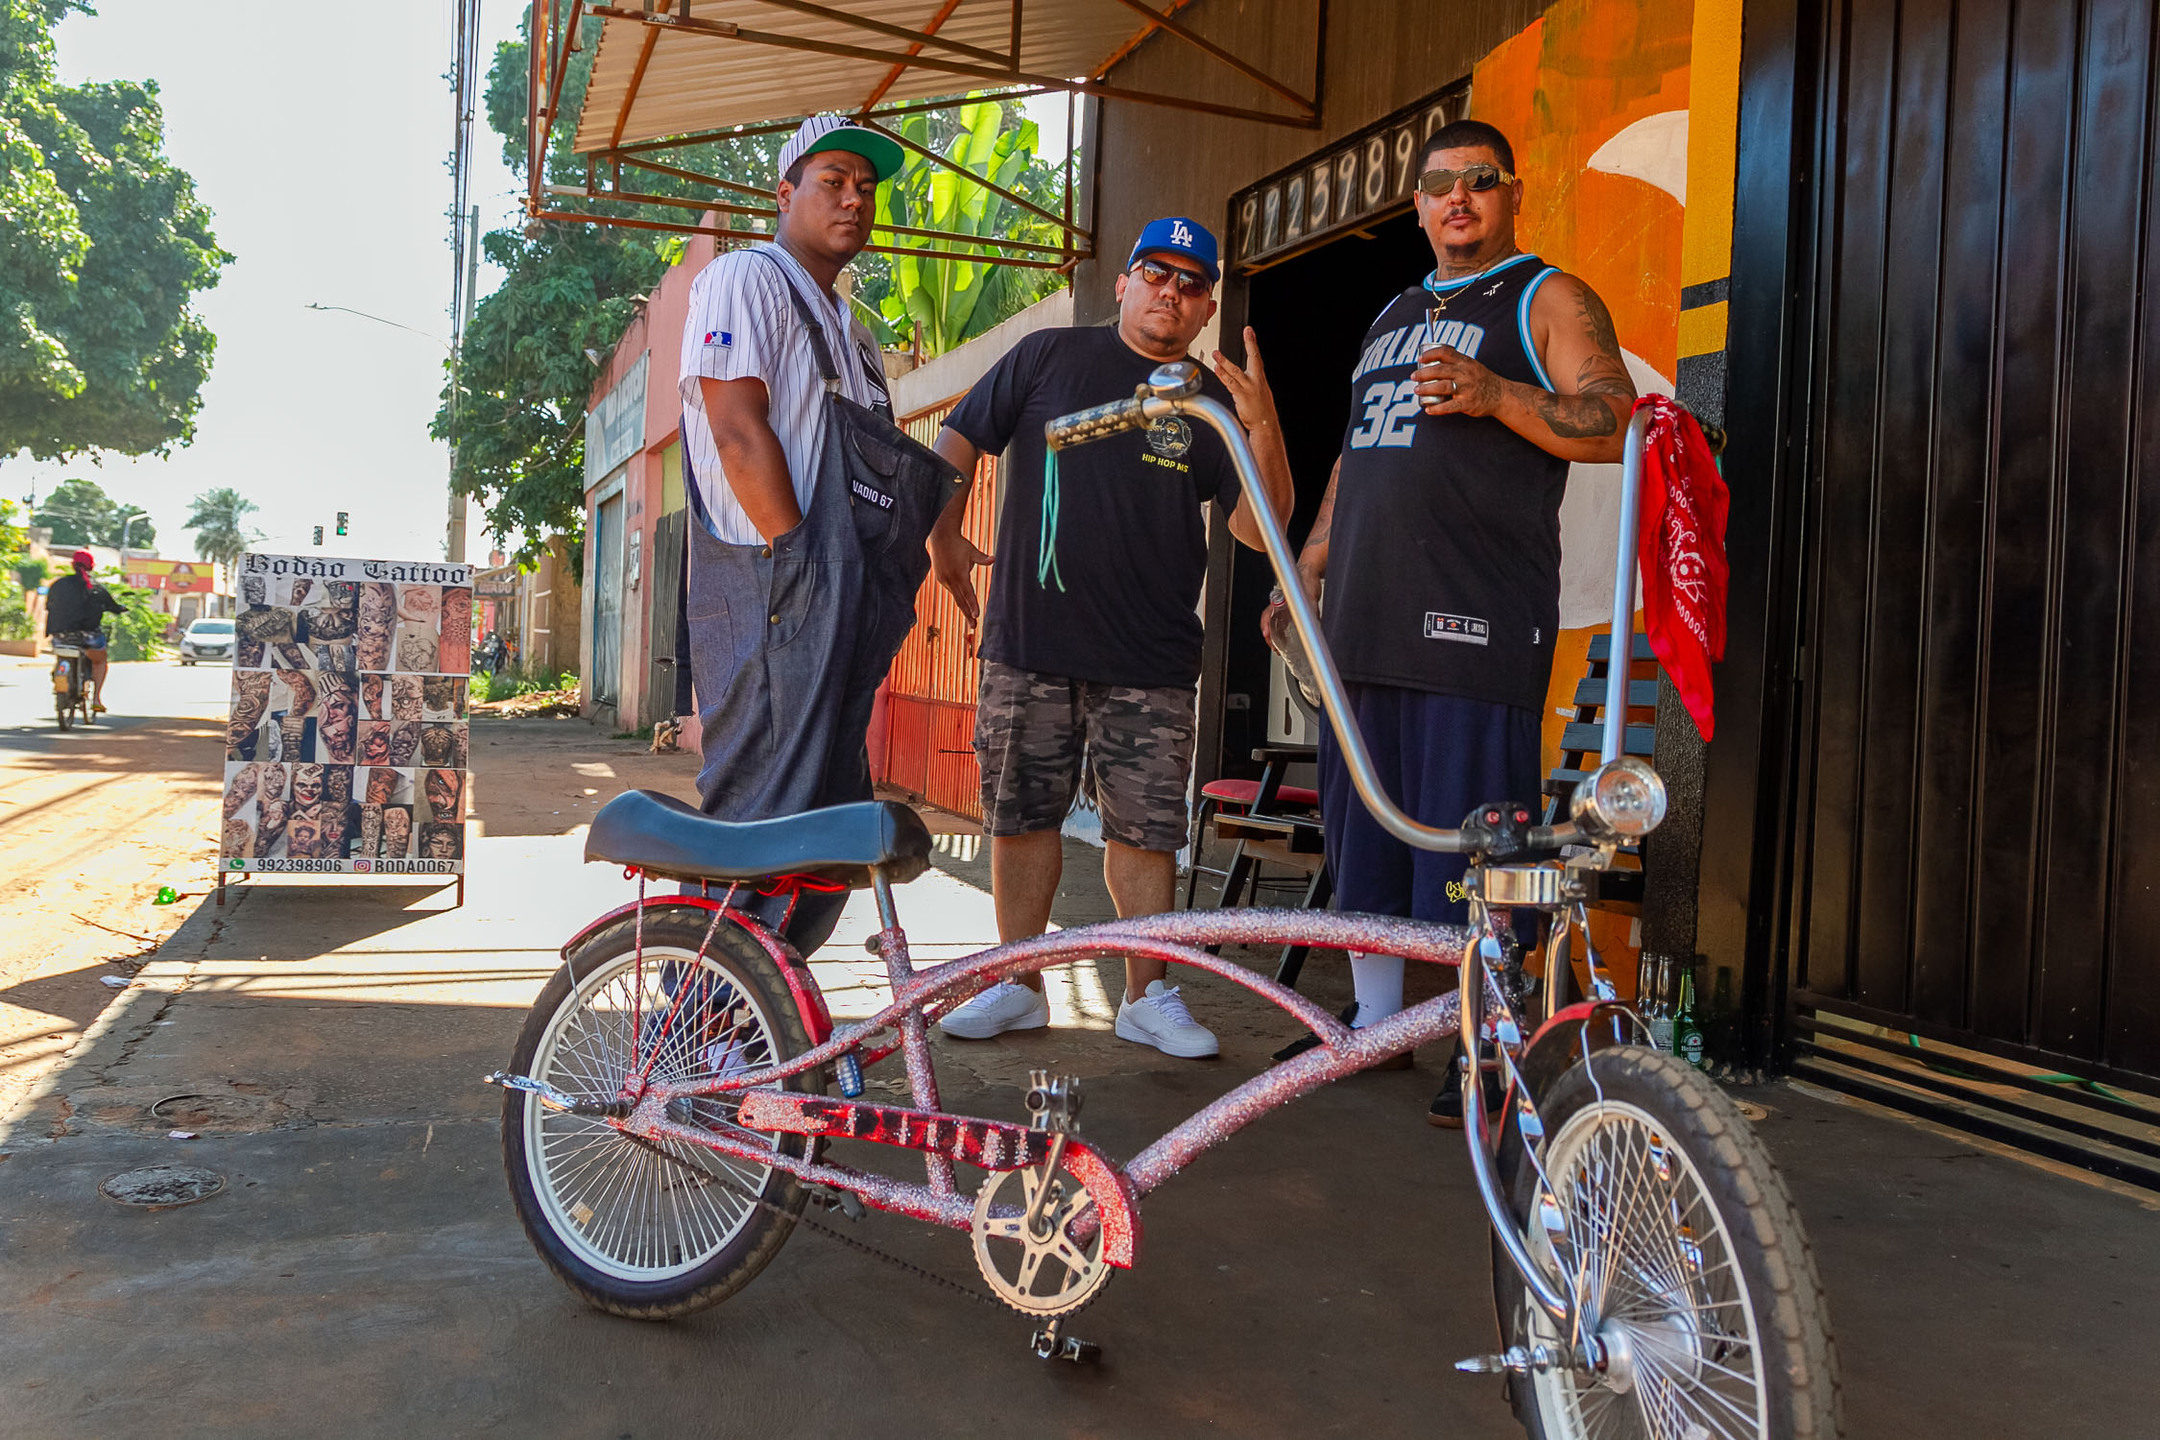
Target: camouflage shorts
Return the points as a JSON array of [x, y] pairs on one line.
[[1038, 737]]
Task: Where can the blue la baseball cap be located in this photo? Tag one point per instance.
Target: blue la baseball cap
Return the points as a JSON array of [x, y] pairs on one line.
[[1179, 236]]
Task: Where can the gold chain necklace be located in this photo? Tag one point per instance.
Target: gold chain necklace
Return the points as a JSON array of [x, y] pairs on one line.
[[1457, 287]]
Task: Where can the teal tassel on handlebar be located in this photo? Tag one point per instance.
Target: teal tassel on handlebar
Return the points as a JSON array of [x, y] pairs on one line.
[[1046, 567]]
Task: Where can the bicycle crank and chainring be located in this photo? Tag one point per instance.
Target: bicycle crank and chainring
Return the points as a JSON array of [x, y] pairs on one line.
[[1052, 1274], [1034, 1265]]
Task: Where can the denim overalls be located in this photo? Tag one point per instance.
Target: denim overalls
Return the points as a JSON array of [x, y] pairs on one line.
[[789, 640]]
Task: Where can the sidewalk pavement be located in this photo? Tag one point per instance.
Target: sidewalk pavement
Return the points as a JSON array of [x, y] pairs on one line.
[[363, 1273]]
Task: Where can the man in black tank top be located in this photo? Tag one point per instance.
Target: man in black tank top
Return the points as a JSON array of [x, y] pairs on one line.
[[1439, 536]]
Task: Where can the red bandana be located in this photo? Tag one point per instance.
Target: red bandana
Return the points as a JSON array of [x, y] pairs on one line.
[[1681, 548]]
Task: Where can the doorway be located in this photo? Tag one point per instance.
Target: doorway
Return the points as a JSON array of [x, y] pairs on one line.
[[607, 542], [1310, 313]]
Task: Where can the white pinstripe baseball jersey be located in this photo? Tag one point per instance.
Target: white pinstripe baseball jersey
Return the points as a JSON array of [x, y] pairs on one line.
[[741, 324]]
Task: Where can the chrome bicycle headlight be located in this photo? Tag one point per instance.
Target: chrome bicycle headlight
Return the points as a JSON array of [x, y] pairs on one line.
[[1622, 799]]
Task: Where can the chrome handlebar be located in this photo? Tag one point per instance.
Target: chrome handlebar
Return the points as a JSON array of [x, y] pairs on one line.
[[1174, 389], [1104, 420]]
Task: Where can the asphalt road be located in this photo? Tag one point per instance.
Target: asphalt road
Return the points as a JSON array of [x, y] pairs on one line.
[[92, 823]]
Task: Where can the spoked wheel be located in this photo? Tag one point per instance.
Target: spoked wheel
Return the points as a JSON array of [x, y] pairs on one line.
[[1693, 1273], [652, 1229], [64, 710]]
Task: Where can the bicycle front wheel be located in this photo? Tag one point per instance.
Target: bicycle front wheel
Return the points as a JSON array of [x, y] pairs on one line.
[[653, 1229], [1661, 1210]]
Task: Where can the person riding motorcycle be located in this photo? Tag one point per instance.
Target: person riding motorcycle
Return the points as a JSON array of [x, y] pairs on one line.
[[75, 611]]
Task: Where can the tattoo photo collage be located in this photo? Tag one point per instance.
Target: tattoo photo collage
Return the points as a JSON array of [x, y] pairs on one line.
[[348, 742]]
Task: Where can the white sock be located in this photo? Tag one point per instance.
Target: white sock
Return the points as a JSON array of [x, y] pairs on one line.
[[1377, 980]]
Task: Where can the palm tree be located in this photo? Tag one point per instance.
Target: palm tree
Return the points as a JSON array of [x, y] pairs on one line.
[[219, 520]]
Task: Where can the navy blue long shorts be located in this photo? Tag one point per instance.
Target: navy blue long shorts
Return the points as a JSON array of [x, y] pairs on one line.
[[1439, 757]]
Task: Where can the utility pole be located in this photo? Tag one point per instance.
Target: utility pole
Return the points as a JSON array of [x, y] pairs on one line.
[[454, 548]]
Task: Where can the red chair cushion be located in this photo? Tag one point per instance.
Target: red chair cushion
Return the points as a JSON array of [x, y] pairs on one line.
[[1245, 792]]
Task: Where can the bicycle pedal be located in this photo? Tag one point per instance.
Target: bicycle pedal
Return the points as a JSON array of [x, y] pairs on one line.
[[847, 1202], [1048, 1344]]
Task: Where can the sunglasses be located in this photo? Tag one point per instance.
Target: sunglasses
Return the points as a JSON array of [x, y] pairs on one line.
[[1191, 285], [1479, 178]]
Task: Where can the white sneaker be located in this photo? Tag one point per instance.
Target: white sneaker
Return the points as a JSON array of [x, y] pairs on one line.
[[1004, 1006], [1160, 1019]]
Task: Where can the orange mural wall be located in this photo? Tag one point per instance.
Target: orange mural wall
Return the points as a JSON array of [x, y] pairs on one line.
[[1594, 97]]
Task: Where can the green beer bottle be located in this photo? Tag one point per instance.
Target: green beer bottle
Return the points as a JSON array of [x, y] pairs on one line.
[[1687, 1027]]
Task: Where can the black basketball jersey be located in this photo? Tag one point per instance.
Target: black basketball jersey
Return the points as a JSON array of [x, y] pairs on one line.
[[1444, 560]]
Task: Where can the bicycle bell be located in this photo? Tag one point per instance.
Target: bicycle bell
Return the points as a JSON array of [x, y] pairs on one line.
[[1174, 380], [1620, 800]]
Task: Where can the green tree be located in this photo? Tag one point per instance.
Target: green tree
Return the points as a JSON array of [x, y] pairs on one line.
[[139, 634], [218, 519], [103, 245], [946, 302], [19, 575], [42, 240], [514, 412], [79, 512]]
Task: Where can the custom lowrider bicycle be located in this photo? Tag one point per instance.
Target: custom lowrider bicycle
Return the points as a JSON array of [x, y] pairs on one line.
[[667, 1114]]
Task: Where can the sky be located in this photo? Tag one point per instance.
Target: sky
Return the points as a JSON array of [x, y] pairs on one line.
[[318, 134]]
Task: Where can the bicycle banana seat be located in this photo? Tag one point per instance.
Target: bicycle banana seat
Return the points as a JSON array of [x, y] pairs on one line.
[[666, 838]]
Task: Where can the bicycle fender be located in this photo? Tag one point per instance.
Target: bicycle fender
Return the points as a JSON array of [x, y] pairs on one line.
[[1560, 1041], [802, 985], [989, 1144]]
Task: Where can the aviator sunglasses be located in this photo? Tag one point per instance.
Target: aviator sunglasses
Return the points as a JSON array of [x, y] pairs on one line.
[[1479, 178], [1189, 285]]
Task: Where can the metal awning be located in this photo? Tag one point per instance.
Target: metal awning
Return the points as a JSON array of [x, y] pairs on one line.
[[672, 74], [744, 62]]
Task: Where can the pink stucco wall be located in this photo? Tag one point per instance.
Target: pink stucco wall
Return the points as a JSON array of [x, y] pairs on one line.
[[657, 330]]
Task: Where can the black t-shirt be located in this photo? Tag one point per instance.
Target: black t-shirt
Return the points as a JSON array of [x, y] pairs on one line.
[[1444, 562], [74, 604], [1129, 544]]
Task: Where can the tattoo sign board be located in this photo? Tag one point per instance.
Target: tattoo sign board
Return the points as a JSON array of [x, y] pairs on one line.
[[347, 746]]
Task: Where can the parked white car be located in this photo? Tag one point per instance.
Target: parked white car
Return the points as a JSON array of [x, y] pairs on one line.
[[207, 640]]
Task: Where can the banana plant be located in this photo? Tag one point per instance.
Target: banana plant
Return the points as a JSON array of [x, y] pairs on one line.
[[948, 301]]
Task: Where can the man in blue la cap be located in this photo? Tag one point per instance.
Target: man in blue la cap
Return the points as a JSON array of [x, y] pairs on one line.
[[1091, 648]]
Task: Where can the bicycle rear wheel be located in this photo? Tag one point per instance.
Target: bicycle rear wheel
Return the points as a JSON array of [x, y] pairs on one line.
[[1693, 1270], [652, 1229]]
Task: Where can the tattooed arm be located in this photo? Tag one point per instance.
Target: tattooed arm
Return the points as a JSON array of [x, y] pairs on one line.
[[1584, 416], [1312, 560]]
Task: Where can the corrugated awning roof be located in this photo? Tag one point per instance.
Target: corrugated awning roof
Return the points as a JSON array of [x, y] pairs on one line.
[[653, 80]]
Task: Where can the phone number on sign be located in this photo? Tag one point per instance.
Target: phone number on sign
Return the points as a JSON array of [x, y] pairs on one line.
[[349, 867]]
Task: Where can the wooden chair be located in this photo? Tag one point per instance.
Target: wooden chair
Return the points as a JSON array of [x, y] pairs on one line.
[[1582, 740], [1272, 824]]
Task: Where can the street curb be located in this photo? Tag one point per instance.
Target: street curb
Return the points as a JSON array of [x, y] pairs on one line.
[[157, 968]]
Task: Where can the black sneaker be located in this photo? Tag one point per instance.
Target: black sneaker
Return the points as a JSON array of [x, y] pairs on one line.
[[1447, 1111], [1306, 1041]]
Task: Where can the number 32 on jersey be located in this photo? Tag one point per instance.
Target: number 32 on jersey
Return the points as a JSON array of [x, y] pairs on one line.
[[1391, 407]]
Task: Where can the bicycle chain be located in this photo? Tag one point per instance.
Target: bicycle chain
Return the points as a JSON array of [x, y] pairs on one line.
[[827, 1231]]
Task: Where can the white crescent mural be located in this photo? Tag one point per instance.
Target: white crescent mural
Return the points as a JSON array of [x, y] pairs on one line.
[[1653, 150]]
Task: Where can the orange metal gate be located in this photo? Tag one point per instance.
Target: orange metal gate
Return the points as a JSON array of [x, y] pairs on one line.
[[928, 717]]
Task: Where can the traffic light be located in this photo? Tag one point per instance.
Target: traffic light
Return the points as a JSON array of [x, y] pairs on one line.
[[318, 534], [341, 522]]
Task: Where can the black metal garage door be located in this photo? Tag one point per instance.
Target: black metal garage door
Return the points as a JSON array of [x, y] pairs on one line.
[[1977, 829]]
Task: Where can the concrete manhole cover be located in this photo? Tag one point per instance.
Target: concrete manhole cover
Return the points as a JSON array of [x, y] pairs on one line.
[[162, 1187]]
